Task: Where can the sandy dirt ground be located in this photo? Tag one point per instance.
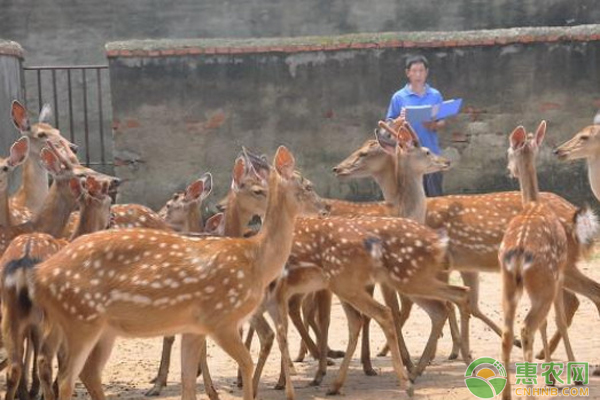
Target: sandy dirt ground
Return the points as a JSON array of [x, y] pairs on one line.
[[134, 362]]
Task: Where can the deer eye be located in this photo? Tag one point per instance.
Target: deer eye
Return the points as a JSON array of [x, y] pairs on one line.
[[42, 135], [584, 137], [5, 169], [258, 192], [362, 154]]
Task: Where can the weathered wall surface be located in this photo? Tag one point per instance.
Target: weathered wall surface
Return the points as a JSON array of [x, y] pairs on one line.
[[74, 32], [11, 55], [182, 108]]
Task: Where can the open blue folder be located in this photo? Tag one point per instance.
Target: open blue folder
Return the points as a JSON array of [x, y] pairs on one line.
[[419, 114]]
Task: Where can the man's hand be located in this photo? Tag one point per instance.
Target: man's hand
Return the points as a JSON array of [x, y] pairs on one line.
[[434, 125]]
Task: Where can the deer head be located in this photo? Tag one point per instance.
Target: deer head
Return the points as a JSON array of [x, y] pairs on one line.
[[42, 131], [585, 144], [185, 205], [18, 154]]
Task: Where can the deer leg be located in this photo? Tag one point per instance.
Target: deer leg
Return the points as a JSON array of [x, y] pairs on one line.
[[248, 344], [571, 304], [160, 380], [294, 307], [365, 349], [79, 346], [23, 393], [13, 337], [562, 324], [229, 340], [541, 290], [471, 279], [454, 332], [209, 388], [510, 299], [324, 302], [355, 321], [49, 348], [438, 313], [36, 341], [406, 305], [190, 355], [91, 375], [312, 321], [302, 328], [361, 301], [266, 337], [279, 315], [391, 300]]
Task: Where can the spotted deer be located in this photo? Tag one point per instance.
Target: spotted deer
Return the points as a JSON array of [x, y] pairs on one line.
[[25, 252], [140, 282], [30, 196], [18, 154], [57, 206], [405, 197], [476, 225], [183, 211], [533, 253]]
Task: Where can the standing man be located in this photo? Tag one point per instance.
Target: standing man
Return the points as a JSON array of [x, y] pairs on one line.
[[418, 93]]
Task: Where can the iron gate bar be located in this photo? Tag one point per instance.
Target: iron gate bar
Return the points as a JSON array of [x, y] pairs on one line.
[[83, 69]]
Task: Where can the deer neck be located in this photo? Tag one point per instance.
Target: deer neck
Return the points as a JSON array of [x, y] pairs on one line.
[[386, 179], [275, 237], [88, 221], [193, 220], [594, 174], [4, 209], [34, 185], [528, 181], [236, 219], [55, 210], [410, 201]]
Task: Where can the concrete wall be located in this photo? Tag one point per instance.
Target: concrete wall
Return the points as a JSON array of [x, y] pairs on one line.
[[185, 107], [74, 32], [11, 88]]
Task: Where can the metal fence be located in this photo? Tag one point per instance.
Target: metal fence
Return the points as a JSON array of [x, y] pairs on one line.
[[80, 99]]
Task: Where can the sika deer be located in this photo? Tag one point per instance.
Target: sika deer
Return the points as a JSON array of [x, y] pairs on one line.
[[533, 254], [585, 144], [34, 185], [18, 154], [24, 253], [209, 287], [475, 226]]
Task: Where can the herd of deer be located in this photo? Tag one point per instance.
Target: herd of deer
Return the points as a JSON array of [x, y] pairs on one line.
[[73, 281]]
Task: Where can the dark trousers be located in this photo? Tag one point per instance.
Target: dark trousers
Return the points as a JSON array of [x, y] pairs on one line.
[[433, 184]]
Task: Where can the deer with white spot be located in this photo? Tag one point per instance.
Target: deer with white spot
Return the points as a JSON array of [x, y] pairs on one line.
[[209, 288], [476, 225], [25, 252], [56, 207], [183, 211], [29, 198], [18, 154], [533, 254]]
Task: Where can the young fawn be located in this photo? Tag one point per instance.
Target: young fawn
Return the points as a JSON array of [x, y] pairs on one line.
[[24, 253], [533, 254], [140, 282]]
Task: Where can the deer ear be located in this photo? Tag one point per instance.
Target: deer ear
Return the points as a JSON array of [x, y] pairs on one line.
[[93, 186], [19, 116], [405, 139], [45, 114], [285, 162], [207, 180], [18, 152], [50, 161], [75, 186], [194, 190], [518, 137], [239, 170], [540, 133], [212, 224]]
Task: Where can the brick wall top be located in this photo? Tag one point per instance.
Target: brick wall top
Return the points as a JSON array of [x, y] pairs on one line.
[[184, 47], [10, 48]]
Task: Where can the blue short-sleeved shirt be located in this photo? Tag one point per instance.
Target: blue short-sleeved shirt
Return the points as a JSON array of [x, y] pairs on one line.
[[406, 97]]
